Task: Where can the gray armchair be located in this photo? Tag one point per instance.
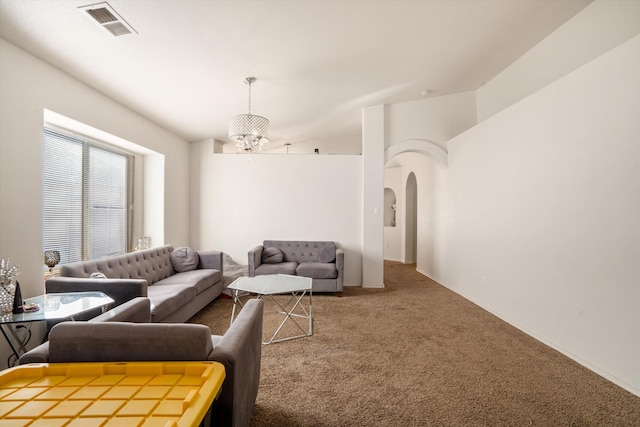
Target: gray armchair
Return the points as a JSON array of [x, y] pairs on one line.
[[112, 337]]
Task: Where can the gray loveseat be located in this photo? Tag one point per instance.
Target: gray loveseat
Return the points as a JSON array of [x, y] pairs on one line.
[[111, 337], [178, 284], [321, 261]]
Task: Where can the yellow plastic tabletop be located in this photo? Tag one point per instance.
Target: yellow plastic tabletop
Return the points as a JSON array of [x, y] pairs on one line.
[[144, 394]]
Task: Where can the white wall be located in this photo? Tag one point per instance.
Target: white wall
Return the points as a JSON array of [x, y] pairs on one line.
[[535, 217], [373, 138], [28, 86], [592, 32], [435, 119], [543, 201], [352, 144], [245, 199]]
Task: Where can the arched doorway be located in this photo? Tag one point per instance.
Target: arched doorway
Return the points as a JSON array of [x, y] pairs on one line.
[[412, 248], [411, 220]]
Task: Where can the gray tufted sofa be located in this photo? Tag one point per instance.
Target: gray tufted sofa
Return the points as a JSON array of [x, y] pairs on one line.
[[322, 261], [175, 296]]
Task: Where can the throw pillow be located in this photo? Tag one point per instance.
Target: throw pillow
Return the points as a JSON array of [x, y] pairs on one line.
[[184, 259], [272, 255], [97, 275], [327, 253]]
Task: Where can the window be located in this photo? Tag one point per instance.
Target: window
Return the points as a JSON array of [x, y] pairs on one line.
[[86, 190]]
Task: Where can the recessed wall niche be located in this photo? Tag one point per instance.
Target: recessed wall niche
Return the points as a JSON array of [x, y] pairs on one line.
[[389, 208]]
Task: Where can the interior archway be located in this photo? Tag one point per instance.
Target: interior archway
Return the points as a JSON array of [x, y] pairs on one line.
[[411, 220], [403, 244], [422, 146]]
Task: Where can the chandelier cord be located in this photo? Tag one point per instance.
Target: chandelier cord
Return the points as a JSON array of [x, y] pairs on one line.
[[249, 83]]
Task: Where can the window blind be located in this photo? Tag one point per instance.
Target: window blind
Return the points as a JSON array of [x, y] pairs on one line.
[[85, 198]]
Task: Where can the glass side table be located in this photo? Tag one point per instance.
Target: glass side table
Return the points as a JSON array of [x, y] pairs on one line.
[[55, 307]]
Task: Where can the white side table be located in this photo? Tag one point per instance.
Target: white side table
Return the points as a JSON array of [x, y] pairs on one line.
[[268, 286]]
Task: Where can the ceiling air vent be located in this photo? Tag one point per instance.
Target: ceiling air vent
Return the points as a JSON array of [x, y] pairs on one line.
[[105, 16]]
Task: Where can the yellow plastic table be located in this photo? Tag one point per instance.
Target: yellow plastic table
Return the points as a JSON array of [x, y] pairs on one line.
[[145, 394]]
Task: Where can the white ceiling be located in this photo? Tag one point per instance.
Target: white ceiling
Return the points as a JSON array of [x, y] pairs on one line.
[[318, 62]]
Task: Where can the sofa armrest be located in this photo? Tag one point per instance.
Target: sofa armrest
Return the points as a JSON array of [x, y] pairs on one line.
[[120, 290], [240, 351], [211, 259], [137, 310], [255, 259], [340, 268], [40, 354]]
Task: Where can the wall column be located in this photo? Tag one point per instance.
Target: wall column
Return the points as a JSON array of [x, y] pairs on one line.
[[373, 196]]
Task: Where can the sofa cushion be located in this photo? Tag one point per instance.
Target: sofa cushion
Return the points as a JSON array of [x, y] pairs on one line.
[[168, 298], [317, 270], [281, 268], [184, 259], [272, 256], [202, 279]]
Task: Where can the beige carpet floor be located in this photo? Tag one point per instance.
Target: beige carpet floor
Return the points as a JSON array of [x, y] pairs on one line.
[[417, 354]]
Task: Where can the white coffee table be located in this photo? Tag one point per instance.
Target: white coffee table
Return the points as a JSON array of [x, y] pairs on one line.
[[272, 285]]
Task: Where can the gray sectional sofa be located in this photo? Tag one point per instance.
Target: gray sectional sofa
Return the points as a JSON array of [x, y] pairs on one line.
[[178, 283], [322, 261], [111, 337]]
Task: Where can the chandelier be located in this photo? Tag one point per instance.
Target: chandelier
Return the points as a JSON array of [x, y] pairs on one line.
[[247, 130]]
